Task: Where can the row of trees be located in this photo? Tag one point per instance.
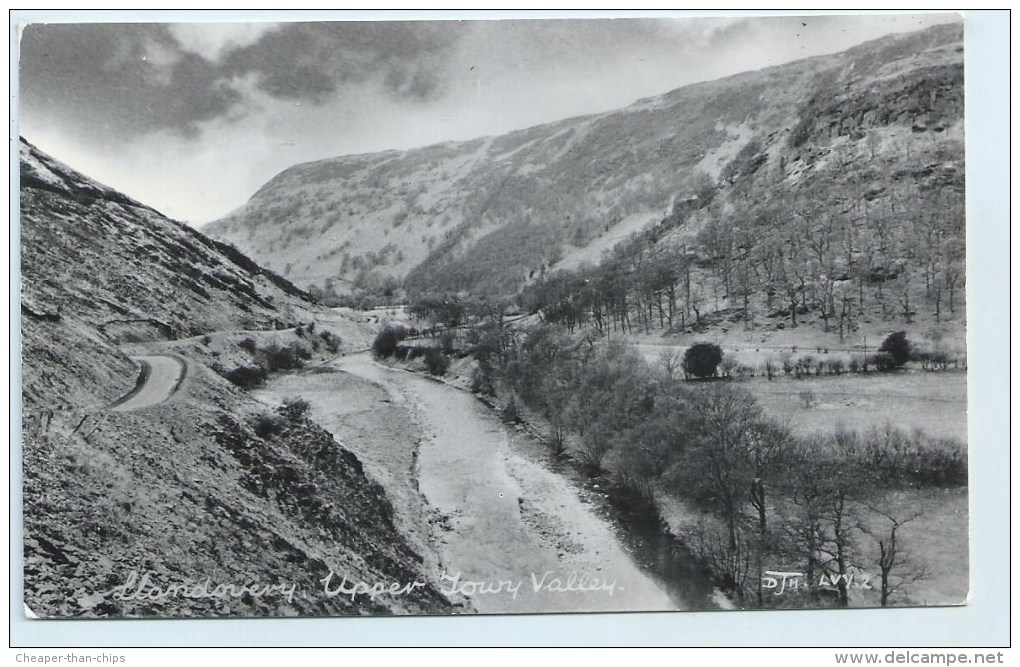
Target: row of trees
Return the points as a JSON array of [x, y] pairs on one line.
[[703, 360], [840, 246]]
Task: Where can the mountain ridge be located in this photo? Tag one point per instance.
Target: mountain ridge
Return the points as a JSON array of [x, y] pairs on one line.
[[501, 209]]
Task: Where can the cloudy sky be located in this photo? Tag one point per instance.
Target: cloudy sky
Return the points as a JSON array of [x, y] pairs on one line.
[[192, 118]]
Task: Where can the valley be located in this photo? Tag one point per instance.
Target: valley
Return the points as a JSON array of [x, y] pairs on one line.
[[638, 360]]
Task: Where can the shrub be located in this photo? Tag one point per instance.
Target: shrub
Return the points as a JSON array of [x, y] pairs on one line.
[[594, 450], [206, 340], [897, 347], [247, 377], [287, 358], [436, 362], [293, 409], [266, 426], [702, 359], [385, 343], [481, 381], [883, 361], [509, 413], [728, 365], [446, 342], [248, 344], [331, 340], [916, 459]]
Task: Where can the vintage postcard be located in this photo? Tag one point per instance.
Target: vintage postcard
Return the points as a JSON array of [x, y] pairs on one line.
[[528, 315]]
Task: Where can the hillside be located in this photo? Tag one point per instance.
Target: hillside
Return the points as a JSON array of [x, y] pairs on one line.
[[204, 484], [488, 214]]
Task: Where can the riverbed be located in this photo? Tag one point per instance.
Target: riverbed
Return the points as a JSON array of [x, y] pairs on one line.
[[498, 530]]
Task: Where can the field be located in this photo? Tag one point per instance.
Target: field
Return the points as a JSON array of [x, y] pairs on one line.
[[909, 398], [933, 402]]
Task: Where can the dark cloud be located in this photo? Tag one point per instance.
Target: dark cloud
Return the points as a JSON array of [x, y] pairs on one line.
[[310, 61], [118, 79]]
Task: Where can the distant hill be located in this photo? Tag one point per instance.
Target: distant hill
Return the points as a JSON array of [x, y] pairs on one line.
[[208, 483], [488, 215]]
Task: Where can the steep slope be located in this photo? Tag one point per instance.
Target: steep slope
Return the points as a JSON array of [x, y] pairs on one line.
[[848, 217], [128, 511], [486, 214]]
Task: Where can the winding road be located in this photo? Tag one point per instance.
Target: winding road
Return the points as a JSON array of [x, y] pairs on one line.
[[159, 378]]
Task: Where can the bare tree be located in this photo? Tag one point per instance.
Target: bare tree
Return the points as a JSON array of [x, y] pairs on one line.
[[896, 567], [768, 447]]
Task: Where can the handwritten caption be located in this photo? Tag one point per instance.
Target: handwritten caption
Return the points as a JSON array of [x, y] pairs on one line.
[[146, 587], [782, 582]]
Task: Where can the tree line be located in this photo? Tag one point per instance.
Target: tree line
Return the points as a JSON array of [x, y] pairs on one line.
[[763, 497], [838, 252]]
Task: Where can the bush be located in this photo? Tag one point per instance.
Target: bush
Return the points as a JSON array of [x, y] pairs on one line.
[[446, 342], [914, 459], [248, 344], [702, 359], [301, 351], [247, 377], [883, 361], [287, 358], [897, 347], [386, 341], [436, 362], [266, 426], [331, 340], [294, 409], [481, 381], [509, 412]]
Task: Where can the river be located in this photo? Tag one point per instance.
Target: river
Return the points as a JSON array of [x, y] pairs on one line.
[[500, 531]]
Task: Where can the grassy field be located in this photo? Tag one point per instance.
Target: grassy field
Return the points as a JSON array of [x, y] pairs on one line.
[[933, 402]]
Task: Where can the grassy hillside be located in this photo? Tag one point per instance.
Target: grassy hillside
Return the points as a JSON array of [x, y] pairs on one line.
[[208, 484], [485, 215]]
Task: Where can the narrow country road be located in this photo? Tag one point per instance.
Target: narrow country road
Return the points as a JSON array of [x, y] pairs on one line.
[[158, 380], [516, 538]]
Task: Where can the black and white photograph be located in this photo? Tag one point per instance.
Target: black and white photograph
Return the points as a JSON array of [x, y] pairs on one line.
[[493, 316]]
